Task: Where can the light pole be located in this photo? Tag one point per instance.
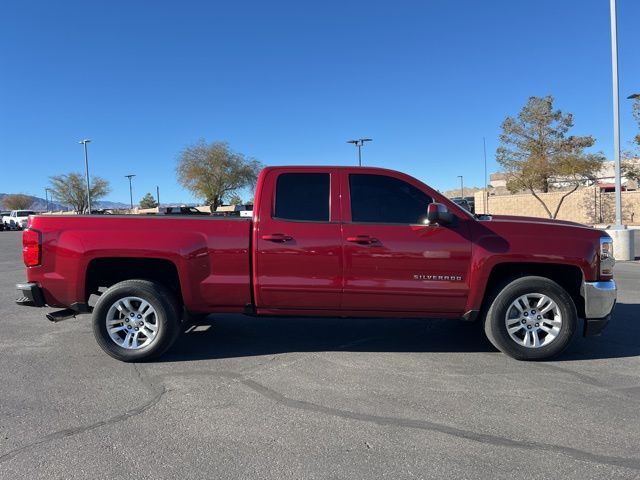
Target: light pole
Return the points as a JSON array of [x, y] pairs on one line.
[[158, 195], [358, 143], [46, 197], [616, 113], [86, 168], [461, 187], [130, 189], [485, 196]]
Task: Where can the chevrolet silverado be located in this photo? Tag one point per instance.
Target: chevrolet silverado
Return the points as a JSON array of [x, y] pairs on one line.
[[324, 241]]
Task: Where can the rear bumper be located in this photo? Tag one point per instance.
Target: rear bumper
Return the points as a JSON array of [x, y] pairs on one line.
[[599, 300], [30, 295]]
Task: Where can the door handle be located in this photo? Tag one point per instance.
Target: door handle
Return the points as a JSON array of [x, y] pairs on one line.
[[277, 237], [363, 239]]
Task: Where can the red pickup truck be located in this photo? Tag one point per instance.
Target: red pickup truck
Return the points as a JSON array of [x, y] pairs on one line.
[[324, 241]]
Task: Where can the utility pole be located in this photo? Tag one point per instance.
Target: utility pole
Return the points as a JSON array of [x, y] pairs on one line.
[[461, 187], [359, 143], [485, 196], [46, 197], [86, 168], [130, 189]]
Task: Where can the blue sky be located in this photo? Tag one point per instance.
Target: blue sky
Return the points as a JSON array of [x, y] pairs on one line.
[[288, 82]]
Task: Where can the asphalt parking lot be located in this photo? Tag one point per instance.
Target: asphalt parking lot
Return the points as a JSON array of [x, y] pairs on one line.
[[276, 398]]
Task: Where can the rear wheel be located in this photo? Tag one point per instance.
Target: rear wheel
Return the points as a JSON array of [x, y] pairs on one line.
[[531, 318], [136, 320]]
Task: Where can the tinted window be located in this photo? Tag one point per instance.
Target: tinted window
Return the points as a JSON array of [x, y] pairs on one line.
[[25, 213], [303, 196], [382, 199]]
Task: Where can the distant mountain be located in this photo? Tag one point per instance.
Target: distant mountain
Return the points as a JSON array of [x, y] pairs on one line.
[[40, 204], [108, 204]]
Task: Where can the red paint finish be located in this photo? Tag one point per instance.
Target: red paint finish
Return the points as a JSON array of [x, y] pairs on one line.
[[333, 267], [211, 255], [404, 268], [304, 271]]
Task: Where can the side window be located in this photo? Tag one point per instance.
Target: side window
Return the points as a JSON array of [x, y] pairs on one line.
[[382, 199], [303, 196]]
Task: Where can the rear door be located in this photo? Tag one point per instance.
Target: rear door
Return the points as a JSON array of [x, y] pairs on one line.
[[393, 261], [298, 244]]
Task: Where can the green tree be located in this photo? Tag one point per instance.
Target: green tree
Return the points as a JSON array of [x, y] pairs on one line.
[[630, 167], [17, 201], [235, 199], [213, 171], [148, 201], [71, 189], [536, 152]]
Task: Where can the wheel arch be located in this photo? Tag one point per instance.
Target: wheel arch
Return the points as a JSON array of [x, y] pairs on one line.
[[107, 271], [569, 277]]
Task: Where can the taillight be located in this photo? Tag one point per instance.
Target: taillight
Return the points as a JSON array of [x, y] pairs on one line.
[[31, 247], [607, 261]]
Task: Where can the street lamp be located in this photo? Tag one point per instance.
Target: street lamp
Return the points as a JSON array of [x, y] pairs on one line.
[[461, 187], [86, 168], [623, 243], [130, 189], [358, 143], [616, 113]]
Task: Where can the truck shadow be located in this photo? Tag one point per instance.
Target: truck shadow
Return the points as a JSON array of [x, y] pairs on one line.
[[229, 336]]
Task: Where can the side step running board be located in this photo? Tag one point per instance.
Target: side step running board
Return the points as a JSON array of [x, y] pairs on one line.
[[61, 315]]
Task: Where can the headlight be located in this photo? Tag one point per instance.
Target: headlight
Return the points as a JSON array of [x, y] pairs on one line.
[[606, 257]]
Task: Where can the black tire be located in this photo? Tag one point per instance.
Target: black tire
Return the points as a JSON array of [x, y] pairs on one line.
[[167, 316], [495, 320]]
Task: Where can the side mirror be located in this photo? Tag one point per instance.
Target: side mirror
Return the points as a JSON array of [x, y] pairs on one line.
[[437, 214]]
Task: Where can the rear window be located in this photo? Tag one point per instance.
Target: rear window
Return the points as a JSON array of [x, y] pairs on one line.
[[303, 197], [25, 213]]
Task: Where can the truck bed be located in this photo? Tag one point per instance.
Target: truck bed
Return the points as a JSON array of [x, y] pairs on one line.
[[75, 247]]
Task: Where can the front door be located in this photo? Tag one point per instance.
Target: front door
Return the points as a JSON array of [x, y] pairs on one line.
[[393, 261], [298, 259]]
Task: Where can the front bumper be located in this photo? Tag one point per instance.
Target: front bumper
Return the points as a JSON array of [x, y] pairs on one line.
[[31, 295], [599, 300]]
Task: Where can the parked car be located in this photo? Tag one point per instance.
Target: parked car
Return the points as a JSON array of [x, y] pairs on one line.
[[324, 241], [471, 201], [3, 213], [180, 210], [463, 202], [17, 219]]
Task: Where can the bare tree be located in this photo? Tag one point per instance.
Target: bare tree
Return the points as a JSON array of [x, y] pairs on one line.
[[71, 189], [213, 171], [17, 201], [636, 114], [536, 152]]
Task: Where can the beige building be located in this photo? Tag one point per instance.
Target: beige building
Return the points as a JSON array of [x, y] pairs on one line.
[[605, 178]]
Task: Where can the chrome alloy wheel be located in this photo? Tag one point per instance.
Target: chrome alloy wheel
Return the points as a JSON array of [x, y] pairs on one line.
[[132, 323], [533, 320]]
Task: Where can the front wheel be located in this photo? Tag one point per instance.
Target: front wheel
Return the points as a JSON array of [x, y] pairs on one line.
[[531, 318], [136, 320]]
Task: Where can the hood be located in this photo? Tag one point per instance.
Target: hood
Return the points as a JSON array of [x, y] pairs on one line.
[[535, 220]]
